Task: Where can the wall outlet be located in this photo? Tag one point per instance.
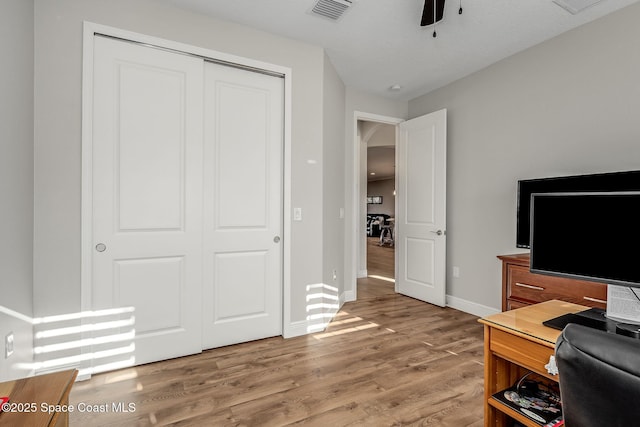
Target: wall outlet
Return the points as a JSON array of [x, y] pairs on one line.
[[335, 275], [8, 345]]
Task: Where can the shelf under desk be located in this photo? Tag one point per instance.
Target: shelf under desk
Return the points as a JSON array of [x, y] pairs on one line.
[[516, 342]]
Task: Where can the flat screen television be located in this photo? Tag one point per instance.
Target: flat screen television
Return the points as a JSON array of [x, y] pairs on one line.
[[594, 237], [588, 236], [614, 181]]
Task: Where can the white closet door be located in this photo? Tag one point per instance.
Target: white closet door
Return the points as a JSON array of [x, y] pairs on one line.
[[421, 215], [147, 192], [242, 205]]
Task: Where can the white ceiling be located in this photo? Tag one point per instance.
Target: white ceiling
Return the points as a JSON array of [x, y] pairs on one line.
[[379, 43], [381, 163], [380, 139]]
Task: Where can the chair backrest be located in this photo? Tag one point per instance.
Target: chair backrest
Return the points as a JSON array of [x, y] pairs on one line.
[[599, 378]]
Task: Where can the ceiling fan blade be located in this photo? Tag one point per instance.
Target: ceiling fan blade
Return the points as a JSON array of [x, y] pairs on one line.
[[428, 12]]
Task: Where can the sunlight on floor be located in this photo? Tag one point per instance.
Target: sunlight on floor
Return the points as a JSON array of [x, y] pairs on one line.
[[386, 279], [119, 376], [345, 331], [349, 320]]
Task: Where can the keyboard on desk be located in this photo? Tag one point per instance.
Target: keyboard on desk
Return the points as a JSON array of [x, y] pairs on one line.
[[561, 321]]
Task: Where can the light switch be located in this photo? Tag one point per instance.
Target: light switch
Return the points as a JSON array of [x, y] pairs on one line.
[[297, 214]]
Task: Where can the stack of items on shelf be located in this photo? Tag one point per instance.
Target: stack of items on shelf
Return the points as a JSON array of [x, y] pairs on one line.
[[536, 400]]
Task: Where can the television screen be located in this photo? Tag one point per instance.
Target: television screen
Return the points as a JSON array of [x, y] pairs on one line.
[[589, 236], [614, 181]]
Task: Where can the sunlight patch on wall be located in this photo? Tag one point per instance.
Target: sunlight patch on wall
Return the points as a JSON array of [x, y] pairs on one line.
[[323, 303], [90, 341]]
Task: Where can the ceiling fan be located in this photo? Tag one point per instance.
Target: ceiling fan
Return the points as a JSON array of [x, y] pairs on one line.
[[433, 12]]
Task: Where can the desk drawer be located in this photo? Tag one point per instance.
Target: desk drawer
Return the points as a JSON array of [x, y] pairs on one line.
[[528, 354], [525, 286]]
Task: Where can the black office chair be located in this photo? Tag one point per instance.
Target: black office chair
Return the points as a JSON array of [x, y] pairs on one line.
[[599, 378]]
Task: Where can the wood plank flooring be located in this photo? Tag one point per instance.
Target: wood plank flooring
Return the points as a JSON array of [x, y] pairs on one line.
[[380, 269], [380, 259], [385, 360]]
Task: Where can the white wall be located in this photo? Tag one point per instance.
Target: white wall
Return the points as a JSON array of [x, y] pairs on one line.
[[58, 48], [567, 106], [384, 188], [16, 182], [333, 185]]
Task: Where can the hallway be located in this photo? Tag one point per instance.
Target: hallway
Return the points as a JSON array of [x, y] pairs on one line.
[[381, 271]]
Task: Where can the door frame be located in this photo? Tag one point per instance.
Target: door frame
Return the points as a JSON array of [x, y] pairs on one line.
[[358, 210], [86, 239]]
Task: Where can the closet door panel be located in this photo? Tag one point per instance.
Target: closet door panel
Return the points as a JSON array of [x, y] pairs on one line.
[[242, 205], [147, 196]]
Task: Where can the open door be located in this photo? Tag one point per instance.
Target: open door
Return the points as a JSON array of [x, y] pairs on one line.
[[421, 208]]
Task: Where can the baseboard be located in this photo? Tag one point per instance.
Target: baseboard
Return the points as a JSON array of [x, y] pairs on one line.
[[296, 329], [50, 370], [470, 307], [362, 274], [348, 296], [306, 327]]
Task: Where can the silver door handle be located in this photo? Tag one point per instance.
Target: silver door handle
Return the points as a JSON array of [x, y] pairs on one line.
[[439, 232], [101, 247], [276, 239]]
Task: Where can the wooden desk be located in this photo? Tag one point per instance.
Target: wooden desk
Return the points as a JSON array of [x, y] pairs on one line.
[[38, 401], [516, 342]]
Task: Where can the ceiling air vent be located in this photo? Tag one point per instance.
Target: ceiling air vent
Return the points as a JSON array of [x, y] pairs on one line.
[[331, 9], [575, 6]]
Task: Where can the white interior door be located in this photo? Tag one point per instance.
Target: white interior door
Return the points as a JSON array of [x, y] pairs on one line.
[[147, 193], [242, 205], [421, 208]]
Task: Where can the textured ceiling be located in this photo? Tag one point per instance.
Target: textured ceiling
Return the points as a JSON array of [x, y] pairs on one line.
[[379, 43]]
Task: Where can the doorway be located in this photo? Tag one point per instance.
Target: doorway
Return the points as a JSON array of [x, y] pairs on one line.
[[420, 204], [380, 141]]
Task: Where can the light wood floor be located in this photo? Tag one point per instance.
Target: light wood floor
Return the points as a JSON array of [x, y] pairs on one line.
[[385, 360], [380, 269]]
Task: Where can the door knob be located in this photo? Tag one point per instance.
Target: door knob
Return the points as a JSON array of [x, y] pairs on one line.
[[101, 247], [276, 239], [439, 232]]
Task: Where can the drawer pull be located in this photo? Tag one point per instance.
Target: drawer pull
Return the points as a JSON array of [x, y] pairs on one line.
[[595, 300], [523, 285]]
